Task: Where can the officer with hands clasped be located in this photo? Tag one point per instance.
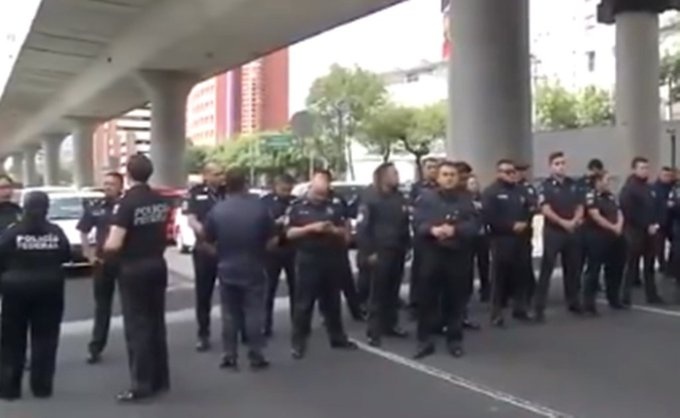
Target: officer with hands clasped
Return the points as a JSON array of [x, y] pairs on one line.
[[98, 215], [446, 221], [318, 229], [32, 253], [137, 237], [603, 231]]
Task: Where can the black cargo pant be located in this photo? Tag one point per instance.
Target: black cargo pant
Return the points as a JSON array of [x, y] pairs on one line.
[[385, 284], [38, 308], [243, 303], [142, 285], [605, 251], [511, 259], [639, 244], [276, 263], [205, 273], [443, 272], [364, 276], [568, 247], [104, 285], [319, 278]]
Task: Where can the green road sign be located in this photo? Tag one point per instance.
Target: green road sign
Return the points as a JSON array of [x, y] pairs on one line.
[[278, 142]]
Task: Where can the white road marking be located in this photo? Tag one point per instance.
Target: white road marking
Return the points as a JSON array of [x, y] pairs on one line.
[[461, 382]]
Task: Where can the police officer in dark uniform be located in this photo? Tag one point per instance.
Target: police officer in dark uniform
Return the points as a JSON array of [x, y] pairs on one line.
[[32, 253], [586, 183], [481, 249], [427, 181], [282, 257], [241, 226], [531, 195], [137, 236], [662, 189], [10, 212], [98, 214], [507, 212], [603, 231], [383, 233], [641, 226], [201, 198], [561, 203], [674, 221], [318, 228], [447, 222]]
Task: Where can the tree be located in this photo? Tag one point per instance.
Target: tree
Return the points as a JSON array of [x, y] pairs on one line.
[[341, 101], [385, 129], [594, 107], [556, 108], [669, 77], [195, 158], [427, 125]]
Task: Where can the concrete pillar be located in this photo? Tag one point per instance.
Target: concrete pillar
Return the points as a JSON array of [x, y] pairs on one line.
[[489, 84], [29, 174], [83, 151], [17, 166], [167, 91], [51, 145], [637, 84]]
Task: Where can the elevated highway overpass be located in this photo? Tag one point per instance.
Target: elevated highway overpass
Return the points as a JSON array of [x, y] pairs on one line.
[[86, 61]]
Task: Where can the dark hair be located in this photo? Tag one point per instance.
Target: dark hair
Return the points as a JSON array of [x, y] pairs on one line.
[[667, 168], [323, 172], [379, 173], [36, 206], [7, 178], [638, 160], [595, 164], [139, 168], [235, 180], [598, 176], [285, 179], [116, 175], [555, 155], [448, 164], [428, 160], [503, 161], [463, 167]]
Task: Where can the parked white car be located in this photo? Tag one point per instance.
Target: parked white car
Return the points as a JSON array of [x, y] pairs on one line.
[[66, 208]]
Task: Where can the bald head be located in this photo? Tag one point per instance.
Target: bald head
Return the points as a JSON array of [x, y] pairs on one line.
[[212, 174]]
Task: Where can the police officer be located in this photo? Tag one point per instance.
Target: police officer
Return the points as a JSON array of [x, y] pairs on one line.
[[98, 215], [282, 257], [586, 182], [137, 235], [603, 230], [241, 226], [662, 189], [427, 181], [10, 212], [383, 233], [531, 195], [481, 243], [201, 198], [561, 204], [316, 225], [674, 220], [32, 253], [447, 222], [641, 226], [507, 212]]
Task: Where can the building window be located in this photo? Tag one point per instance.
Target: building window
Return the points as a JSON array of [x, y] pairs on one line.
[[591, 60]]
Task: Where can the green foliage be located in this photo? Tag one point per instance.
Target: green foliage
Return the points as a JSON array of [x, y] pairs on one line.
[[428, 126], [195, 158], [669, 76], [385, 129], [558, 108], [594, 107]]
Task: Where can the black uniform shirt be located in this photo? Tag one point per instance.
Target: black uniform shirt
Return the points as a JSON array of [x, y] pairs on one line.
[[144, 214], [305, 211], [563, 197], [504, 205], [418, 188], [200, 200], [10, 213], [33, 254], [241, 225], [383, 221], [454, 207], [478, 202], [606, 205], [97, 214], [277, 207], [638, 203], [673, 205]]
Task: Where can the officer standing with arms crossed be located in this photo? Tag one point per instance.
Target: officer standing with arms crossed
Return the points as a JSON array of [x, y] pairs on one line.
[[383, 233], [241, 226], [603, 231], [507, 212], [98, 215], [641, 226], [32, 253], [318, 229], [201, 198], [446, 221], [281, 257], [137, 236], [561, 204]]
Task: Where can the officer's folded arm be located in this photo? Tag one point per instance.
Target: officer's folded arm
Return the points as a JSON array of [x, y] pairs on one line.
[[115, 239], [295, 232]]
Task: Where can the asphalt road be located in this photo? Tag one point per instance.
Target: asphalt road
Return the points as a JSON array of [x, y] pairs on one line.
[[622, 365]]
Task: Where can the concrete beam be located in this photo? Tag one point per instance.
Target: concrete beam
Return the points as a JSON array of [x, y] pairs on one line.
[[51, 144], [29, 173], [83, 150]]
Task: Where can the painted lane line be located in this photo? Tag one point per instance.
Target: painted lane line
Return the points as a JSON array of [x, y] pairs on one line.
[[461, 382]]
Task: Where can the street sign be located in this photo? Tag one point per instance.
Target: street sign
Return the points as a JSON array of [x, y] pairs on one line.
[[278, 141]]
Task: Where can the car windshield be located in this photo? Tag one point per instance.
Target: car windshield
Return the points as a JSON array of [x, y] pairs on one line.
[[65, 208]]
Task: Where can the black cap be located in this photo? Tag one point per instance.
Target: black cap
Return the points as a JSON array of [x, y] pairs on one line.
[[522, 166]]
